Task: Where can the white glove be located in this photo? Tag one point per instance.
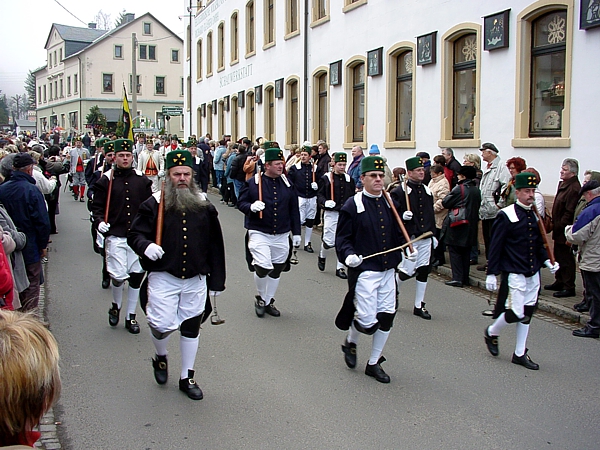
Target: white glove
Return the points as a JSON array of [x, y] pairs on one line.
[[314, 185], [490, 283], [435, 242], [407, 215], [412, 256], [553, 267], [329, 204], [154, 252], [103, 227], [354, 260], [296, 241], [214, 293], [161, 173], [257, 206]]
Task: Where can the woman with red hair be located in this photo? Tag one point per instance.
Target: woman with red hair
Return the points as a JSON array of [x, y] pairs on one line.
[[515, 165]]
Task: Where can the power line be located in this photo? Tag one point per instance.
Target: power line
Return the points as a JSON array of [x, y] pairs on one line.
[[70, 12]]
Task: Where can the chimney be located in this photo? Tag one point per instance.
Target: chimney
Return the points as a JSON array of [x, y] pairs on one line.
[[92, 25], [129, 17]]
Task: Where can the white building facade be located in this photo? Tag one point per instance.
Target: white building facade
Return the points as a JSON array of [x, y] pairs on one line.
[[88, 67], [408, 76]]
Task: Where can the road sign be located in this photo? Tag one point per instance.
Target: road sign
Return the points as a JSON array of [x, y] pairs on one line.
[[172, 110]]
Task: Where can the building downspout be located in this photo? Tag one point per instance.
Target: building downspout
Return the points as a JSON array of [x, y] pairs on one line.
[[186, 82], [79, 92], [305, 94]]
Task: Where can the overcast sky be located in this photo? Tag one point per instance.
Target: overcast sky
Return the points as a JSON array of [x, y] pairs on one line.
[[26, 25]]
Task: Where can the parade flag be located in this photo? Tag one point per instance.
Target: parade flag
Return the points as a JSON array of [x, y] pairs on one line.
[[127, 126]]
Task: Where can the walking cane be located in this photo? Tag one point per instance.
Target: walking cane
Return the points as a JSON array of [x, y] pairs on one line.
[[215, 319], [332, 197], [400, 224], [110, 184]]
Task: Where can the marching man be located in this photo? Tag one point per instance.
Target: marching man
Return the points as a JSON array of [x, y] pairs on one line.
[[152, 164], [336, 187], [78, 155], [185, 259], [117, 196], [516, 253], [416, 200], [270, 204], [304, 176], [367, 226]]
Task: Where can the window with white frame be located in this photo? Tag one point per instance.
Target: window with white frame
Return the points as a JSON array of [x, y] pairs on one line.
[[174, 55], [118, 52], [147, 28], [160, 85], [107, 82]]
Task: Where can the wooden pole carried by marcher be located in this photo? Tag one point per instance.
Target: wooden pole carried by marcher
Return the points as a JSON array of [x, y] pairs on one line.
[[399, 220], [160, 217], [110, 184], [542, 228], [260, 197], [332, 196]]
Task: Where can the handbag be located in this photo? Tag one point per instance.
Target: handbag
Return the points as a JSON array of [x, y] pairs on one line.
[[547, 221], [458, 216]]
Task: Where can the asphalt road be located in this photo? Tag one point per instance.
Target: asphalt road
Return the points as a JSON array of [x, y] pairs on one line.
[[281, 383]]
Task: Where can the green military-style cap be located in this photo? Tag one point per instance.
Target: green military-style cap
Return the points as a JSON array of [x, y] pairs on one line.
[[372, 163], [414, 163], [178, 158], [109, 146], [123, 145], [340, 157], [273, 154], [525, 180]]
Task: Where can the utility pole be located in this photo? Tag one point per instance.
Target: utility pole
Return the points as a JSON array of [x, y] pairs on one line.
[[133, 77]]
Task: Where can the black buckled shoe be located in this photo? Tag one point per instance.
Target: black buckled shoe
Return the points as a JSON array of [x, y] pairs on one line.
[[321, 263], [132, 325], [113, 315], [349, 349], [492, 343], [308, 248], [525, 361], [341, 273], [161, 369], [189, 386], [271, 310], [377, 372], [422, 312], [259, 306]]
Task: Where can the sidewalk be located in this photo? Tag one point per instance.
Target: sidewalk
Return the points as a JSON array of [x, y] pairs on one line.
[[561, 307]]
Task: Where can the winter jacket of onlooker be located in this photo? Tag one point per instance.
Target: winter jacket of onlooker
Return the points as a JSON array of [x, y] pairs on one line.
[[493, 181], [440, 188]]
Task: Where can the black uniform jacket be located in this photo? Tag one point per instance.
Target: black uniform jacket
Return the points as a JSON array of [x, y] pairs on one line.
[[343, 189], [516, 247], [302, 178], [130, 189], [281, 213], [421, 205], [365, 233], [193, 242]]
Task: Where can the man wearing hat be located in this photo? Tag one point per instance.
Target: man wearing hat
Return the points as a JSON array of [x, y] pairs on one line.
[[78, 155], [108, 153], [304, 176], [426, 165], [585, 233], [416, 201], [343, 189], [493, 181], [152, 164], [200, 165], [517, 253], [25, 204], [188, 262], [129, 188], [367, 226], [139, 146], [95, 161], [270, 204]]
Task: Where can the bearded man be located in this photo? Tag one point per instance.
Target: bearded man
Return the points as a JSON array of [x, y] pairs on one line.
[[187, 263]]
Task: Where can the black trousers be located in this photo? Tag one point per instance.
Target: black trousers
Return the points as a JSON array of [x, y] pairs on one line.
[[565, 258], [592, 285], [486, 229], [439, 251], [460, 261]]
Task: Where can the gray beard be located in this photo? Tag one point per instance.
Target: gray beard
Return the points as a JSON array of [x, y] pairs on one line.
[[183, 199]]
